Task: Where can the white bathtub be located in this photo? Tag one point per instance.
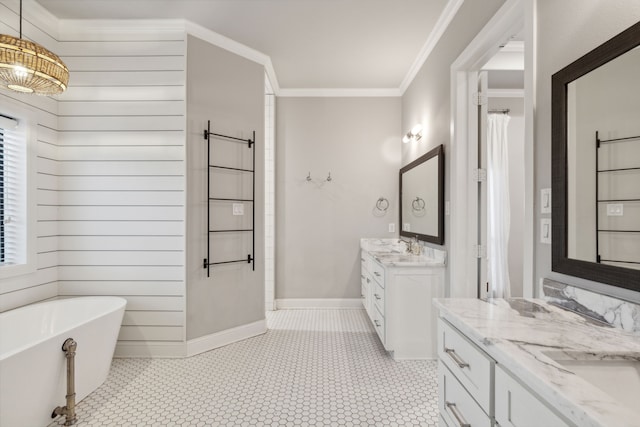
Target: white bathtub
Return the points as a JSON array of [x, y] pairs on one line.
[[33, 365]]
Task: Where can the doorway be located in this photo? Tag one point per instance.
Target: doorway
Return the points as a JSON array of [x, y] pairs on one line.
[[466, 249]]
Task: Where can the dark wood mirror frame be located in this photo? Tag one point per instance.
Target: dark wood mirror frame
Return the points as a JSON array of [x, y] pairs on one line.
[[560, 262], [437, 152]]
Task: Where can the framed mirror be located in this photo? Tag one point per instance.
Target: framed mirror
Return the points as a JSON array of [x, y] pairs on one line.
[[596, 164], [422, 197]]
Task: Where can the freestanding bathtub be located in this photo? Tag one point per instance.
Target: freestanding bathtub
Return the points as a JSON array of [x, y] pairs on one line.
[[33, 365]]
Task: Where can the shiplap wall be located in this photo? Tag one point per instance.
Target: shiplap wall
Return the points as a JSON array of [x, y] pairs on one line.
[[121, 167], [41, 285]]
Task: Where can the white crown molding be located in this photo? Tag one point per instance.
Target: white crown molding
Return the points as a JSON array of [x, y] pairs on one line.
[[338, 93], [443, 22], [35, 14], [235, 47], [319, 303], [114, 29]]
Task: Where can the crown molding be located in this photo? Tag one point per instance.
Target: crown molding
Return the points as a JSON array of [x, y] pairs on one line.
[[443, 22], [35, 14], [338, 93], [235, 47], [505, 93], [117, 29]]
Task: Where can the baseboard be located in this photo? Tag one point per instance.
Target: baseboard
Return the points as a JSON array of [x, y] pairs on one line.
[[226, 337], [142, 349], [319, 303]]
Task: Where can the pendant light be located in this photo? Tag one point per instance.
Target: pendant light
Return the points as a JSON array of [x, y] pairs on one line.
[[27, 67]]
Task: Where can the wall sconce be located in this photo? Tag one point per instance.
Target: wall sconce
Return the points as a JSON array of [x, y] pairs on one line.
[[413, 135]]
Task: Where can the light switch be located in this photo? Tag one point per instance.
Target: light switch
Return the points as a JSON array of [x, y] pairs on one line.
[[238, 209], [545, 230], [406, 226], [545, 201], [615, 209], [447, 208], [392, 227]]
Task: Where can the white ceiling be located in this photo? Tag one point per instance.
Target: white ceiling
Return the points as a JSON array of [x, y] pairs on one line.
[[313, 44]]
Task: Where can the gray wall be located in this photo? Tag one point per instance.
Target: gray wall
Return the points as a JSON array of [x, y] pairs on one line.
[[566, 30], [319, 224], [427, 100], [229, 91]]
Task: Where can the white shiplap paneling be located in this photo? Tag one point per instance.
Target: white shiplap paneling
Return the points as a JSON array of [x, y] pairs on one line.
[[42, 284], [121, 185]]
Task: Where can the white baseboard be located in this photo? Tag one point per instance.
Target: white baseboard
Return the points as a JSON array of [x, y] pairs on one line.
[[142, 349], [318, 303], [191, 347], [226, 337]]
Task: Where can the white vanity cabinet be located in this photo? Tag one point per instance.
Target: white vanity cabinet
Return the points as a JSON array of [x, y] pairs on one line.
[[465, 380], [473, 390], [518, 407], [398, 300]]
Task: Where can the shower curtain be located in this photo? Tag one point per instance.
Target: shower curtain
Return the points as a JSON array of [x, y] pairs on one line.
[[498, 208]]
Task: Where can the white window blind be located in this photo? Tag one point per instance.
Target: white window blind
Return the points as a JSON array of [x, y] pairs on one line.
[[14, 192]]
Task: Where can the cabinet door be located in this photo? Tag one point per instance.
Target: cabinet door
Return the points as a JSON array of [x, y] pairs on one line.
[[517, 407]]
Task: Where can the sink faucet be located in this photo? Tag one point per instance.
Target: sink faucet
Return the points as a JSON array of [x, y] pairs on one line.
[[414, 246]]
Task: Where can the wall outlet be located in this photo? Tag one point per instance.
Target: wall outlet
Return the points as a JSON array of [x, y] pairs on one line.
[[545, 230], [238, 209], [545, 201], [615, 209], [447, 208], [392, 227]]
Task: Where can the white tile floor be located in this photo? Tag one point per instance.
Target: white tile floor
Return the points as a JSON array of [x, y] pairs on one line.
[[312, 368]]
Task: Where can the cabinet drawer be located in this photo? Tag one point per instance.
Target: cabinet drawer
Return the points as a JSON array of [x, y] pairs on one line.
[[377, 272], [456, 406], [378, 297], [517, 407], [473, 368], [378, 323]]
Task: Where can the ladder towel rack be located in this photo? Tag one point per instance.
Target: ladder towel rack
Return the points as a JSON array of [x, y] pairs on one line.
[[250, 144]]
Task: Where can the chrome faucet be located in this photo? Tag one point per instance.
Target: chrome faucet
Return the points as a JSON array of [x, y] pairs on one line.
[[414, 247]]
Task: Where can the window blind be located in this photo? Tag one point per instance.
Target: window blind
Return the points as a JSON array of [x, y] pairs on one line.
[[12, 192]]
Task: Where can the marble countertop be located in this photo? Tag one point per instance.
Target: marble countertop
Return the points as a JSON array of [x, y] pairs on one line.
[[393, 253], [522, 334]]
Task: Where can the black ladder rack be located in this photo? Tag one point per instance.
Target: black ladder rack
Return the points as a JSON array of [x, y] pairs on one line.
[[250, 144], [599, 144]]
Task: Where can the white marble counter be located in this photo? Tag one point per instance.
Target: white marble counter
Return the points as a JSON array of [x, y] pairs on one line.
[[393, 253], [521, 334]]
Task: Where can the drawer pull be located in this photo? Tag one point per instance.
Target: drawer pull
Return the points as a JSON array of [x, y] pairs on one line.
[[458, 416], [377, 323], [452, 354], [376, 273], [377, 296]]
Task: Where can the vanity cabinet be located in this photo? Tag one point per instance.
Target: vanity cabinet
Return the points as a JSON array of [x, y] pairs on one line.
[[398, 300], [518, 407], [465, 379], [473, 390]]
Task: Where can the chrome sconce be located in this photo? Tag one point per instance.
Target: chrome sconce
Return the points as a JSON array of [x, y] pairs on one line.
[[413, 135]]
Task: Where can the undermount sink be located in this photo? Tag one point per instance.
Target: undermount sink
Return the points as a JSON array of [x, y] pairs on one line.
[[618, 376]]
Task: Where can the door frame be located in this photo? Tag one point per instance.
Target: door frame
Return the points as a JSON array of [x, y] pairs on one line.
[[513, 16]]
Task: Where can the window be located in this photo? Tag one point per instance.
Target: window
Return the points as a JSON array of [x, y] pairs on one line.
[[17, 192]]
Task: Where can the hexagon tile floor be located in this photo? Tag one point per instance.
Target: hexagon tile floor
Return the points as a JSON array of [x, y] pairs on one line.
[[312, 368]]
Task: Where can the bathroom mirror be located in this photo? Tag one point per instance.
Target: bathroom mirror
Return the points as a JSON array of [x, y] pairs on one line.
[[596, 164], [422, 197]]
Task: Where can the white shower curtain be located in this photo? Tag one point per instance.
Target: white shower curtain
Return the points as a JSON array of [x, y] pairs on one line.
[[498, 206]]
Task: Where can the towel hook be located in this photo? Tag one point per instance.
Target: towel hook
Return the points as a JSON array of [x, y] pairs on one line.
[[309, 177]]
